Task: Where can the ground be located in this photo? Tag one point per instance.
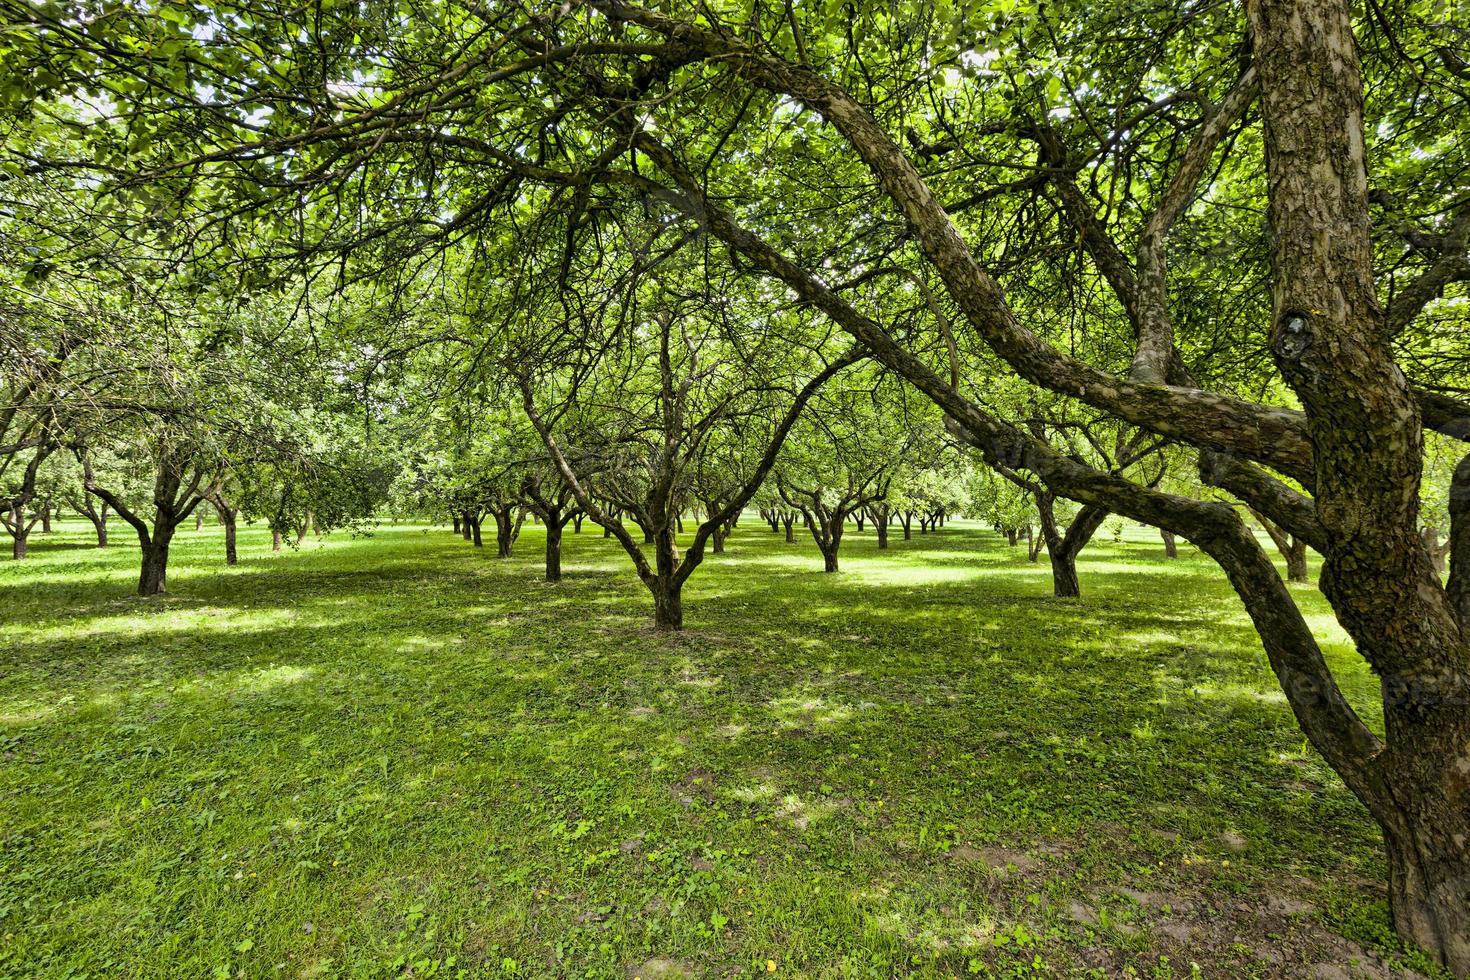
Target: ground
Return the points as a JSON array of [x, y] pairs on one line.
[[399, 756]]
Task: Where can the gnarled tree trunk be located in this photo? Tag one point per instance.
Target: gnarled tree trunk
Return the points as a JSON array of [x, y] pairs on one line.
[[153, 576]]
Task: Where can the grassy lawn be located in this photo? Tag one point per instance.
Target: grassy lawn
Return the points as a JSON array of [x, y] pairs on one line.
[[399, 756]]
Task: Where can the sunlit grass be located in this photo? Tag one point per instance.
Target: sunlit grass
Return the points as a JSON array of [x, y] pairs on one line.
[[400, 756]]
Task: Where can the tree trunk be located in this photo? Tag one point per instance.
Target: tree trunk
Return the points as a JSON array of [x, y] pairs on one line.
[[907, 520], [227, 518], [553, 549], [1292, 548], [668, 606], [275, 539], [1171, 550], [456, 523], [506, 529], [1012, 537], [829, 559], [99, 522], [789, 520], [465, 526], [1428, 862], [199, 521], [19, 547], [1064, 584], [153, 577], [880, 524], [1296, 561], [472, 525], [46, 517], [858, 521], [577, 522]]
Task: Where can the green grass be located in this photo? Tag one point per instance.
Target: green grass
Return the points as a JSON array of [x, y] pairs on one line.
[[399, 756]]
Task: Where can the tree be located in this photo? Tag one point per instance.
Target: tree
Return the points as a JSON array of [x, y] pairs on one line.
[[843, 458], [552, 500], [673, 394], [891, 150], [183, 477]]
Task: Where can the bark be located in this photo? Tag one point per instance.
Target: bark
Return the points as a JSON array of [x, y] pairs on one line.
[[99, 523], [1437, 551], [153, 577], [553, 550], [20, 539], [456, 523], [275, 539], [1171, 549], [472, 525], [307, 526], [19, 526], [508, 520], [46, 517], [577, 522], [880, 516], [1458, 545], [788, 519], [199, 521], [227, 515], [668, 605], [829, 556], [1063, 548], [464, 524], [722, 528], [232, 557], [1292, 548], [552, 502], [1332, 343], [907, 520]]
